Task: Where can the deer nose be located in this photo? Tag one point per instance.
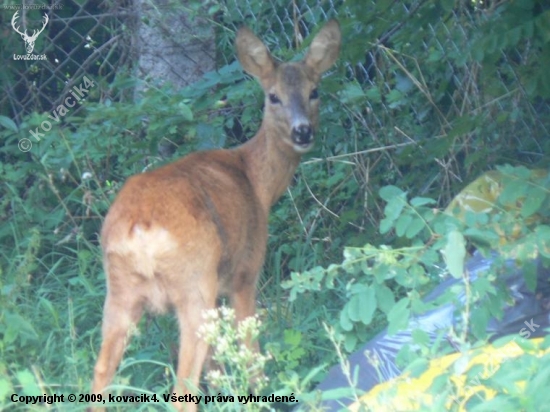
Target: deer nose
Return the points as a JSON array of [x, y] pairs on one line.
[[302, 134]]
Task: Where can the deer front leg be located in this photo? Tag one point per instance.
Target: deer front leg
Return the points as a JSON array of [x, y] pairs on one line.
[[244, 304], [192, 350]]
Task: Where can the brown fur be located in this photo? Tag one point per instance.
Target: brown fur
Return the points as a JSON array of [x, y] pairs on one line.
[[180, 236]]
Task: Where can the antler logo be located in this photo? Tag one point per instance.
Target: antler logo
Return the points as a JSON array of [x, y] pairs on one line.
[[29, 40]]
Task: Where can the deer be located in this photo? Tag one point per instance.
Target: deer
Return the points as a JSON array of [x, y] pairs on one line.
[[29, 40], [180, 236]]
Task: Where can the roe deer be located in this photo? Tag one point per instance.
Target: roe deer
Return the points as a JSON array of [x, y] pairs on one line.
[[179, 236]]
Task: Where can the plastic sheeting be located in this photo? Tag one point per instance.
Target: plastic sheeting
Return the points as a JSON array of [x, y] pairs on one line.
[[528, 308]]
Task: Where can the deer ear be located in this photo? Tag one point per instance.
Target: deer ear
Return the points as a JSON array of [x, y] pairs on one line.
[[325, 48], [253, 54]]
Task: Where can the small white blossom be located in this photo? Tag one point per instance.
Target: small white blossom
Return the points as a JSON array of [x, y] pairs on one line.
[[227, 341]]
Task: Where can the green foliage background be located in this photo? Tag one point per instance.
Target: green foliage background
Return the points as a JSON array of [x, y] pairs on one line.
[[406, 113]]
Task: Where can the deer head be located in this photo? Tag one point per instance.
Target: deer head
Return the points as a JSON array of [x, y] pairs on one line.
[[29, 40], [291, 105]]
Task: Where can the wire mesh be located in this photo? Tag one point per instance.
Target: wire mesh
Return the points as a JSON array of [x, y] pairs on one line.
[[99, 39], [91, 38]]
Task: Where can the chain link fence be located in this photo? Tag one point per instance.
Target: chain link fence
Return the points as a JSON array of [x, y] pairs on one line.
[[99, 39], [86, 38]]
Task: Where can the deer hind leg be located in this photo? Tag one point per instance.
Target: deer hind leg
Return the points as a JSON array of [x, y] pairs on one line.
[[121, 311]]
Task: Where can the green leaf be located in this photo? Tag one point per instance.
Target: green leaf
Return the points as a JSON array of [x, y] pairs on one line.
[[478, 320], [530, 274], [482, 286], [292, 337], [543, 240], [422, 201], [350, 342], [512, 191], [415, 228], [462, 126], [398, 318], [373, 94], [385, 298], [395, 99], [354, 308], [368, 305], [539, 385], [389, 192], [8, 124], [28, 383], [385, 225], [185, 112], [420, 337], [495, 404], [352, 92], [396, 201], [394, 208], [455, 253], [520, 172], [534, 198], [5, 389], [417, 367], [481, 235], [345, 322], [402, 224]]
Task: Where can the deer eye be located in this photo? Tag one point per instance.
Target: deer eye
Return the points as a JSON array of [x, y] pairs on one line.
[[314, 94], [273, 98]]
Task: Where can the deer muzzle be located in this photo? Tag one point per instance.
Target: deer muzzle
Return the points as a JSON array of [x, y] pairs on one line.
[[302, 135], [301, 132]]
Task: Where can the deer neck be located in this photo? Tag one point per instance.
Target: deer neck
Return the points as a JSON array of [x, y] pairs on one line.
[[271, 164]]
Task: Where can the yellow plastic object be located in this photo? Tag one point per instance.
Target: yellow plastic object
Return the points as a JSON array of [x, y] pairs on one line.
[[481, 195], [411, 394], [504, 217]]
